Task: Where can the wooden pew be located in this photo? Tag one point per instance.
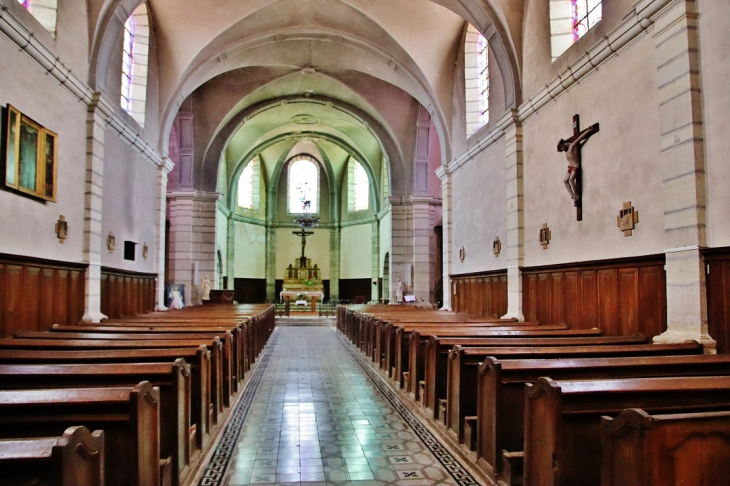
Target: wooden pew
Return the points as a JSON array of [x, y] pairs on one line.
[[420, 347], [462, 374], [172, 380], [228, 356], [76, 458], [563, 419], [145, 348], [129, 418], [501, 396], [670, 450], [397, 346]]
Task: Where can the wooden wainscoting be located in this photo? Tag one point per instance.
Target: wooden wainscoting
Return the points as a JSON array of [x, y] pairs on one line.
[[481, 294], [718, 296], [35, 293], [621, 296], [126, 293]]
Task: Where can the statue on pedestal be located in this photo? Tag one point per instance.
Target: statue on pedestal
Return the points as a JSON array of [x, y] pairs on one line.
[[399, 289]]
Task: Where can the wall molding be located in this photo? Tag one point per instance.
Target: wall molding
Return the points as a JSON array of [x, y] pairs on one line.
[[25, 40]]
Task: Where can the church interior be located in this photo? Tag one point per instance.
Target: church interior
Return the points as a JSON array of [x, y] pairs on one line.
[[344, 195]]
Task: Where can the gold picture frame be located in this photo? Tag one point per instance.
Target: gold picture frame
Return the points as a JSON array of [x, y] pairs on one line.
[[31, 156]]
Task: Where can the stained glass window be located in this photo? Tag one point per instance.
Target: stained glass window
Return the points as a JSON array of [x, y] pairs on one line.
[[587, 13], [25, 3], [361, 187], [303, 185], [127, 56], [44, 12], [476, 78], [245, 187]]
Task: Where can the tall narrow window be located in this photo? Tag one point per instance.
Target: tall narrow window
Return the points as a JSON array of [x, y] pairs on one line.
[[358, 187], [248, 185], [570, 20], [44, 12], [134, 63], [303, 185], [476, 58]]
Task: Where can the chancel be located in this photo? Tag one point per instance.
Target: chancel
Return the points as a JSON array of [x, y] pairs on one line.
[[420, 225]]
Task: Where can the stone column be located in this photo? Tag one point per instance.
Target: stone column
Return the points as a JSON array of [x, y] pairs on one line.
[[401, 235], [192, 240], [335, 254], [683, 172], [271, 263], [375, 264], [514, 165], [161, 219], [422, 224], [99, 111], [231, 254], [446, 205]]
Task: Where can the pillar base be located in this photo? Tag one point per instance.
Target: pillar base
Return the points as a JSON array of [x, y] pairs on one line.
[[161, 308], [446, 308], [514, 315], [673, 337], [93, 317]]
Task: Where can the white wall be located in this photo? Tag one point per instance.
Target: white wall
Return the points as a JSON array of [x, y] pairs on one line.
[[356, 256], [250, 259]]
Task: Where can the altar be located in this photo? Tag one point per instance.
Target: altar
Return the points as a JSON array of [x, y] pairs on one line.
[[302, 280]]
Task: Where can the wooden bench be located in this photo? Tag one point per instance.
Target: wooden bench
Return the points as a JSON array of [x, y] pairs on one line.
[[172, 380], [670, 450], [218, 374], [462, 374], [423, 343], [129, 418], [563, 419], [501, 397], [73, 459]]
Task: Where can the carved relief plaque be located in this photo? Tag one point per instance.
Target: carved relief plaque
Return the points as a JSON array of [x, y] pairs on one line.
[[496, 246], [627, 219], [111, 242], [62, 229], [545, 236]]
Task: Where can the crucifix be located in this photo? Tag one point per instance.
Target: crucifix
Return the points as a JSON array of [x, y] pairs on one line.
[[303, 234], [572, 148]]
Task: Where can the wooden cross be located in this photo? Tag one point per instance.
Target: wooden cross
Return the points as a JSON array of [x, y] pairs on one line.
[[303, 234], [580, 137]]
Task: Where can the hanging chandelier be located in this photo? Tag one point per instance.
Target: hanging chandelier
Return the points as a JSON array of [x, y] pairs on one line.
[[307, 221]]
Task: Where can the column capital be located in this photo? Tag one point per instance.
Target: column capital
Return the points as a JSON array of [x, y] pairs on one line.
[[167, 165], [443, 172], [193, 196]]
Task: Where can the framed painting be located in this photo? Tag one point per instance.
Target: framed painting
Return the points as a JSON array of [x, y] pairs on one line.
[[31, 155]]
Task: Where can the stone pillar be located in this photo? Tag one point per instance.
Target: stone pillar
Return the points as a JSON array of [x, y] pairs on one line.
[[447, 225], [231, 254], [514, 165], [375, 264], [192, 240], [683, 172], [422, 224], [401, 235], [161, 219], [335, 253], [98, 112], [271, 264]]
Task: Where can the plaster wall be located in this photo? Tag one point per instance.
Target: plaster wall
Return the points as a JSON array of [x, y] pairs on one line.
[[289, 248], [28, 225], [250, 259], [356, 254], [620, 163], [714, 30], [479, 208], [129, 204], [538, 69]]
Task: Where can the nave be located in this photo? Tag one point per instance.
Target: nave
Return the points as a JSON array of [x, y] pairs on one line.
[[312, 414]]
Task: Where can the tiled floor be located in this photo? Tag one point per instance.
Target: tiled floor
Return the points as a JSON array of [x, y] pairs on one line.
[[317, 418]]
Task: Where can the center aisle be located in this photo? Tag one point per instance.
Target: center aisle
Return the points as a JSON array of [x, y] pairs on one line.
[[312, 415]]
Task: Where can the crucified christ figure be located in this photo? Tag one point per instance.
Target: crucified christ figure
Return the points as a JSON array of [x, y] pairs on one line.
[[572, 147]]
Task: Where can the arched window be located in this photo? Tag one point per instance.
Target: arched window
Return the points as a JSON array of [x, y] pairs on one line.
[[476, 58], [570, 20], [44, 12], [248, 185], [303, 185], [134, 63], [358, 187]]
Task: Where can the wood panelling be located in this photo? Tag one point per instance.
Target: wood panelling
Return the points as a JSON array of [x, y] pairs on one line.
[[35, 294], [618, 296], [126, 293], [480, 294], [718, 296]]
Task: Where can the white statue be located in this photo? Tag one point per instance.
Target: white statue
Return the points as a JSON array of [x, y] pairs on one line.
[[205, 288], [176, 300], [399, 288]]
